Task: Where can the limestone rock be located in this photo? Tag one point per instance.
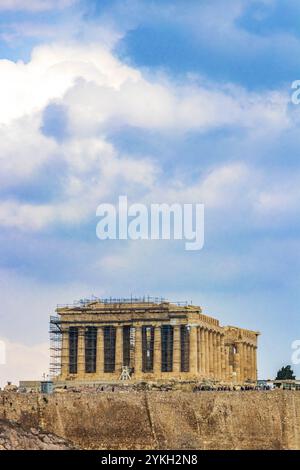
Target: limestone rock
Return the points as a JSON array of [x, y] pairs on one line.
[[14, 437]]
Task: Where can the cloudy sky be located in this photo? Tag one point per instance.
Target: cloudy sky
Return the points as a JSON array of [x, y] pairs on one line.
[[174, 101]]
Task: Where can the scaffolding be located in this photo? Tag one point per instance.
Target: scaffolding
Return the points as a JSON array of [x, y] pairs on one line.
[[55, 346], [128, 346], [125, 374], [147, 348], [121, 300]]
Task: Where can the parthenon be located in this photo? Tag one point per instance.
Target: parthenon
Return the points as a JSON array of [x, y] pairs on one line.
[[149, 339]]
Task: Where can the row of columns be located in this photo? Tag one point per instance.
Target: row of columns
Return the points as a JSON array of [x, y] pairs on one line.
[[245, 366], [211, 353], [209, 356]]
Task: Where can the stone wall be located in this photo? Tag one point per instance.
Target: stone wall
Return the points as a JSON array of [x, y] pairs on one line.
[[163, 420]]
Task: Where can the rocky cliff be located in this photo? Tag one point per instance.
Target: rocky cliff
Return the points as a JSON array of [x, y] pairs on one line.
[[163, 420], [14, 437]]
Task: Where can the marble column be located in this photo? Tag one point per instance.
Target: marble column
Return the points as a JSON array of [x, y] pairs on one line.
[[100, 353], [220, 357], [119, 350], [176, 350], [215, 355], [81, 352], [223, 358], [252, 362], [138, 352], [198, 350], [237, 356], [207, 363], [228, 376], [231, 377], [243, 366], [249, 361], [255, 363], [211, 354], [65, 354], [157, 352], [202, 352], [193, 351], [246, 360]]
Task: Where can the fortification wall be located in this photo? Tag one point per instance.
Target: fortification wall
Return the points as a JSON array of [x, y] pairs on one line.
[[163, 420]]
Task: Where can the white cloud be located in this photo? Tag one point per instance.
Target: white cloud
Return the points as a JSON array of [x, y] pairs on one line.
[[110, 89], [23, 150], [222, 186], [226, 186], [35, 5], [279, 202], [94, 172], [52, 70], [24, 362], [98, 91], [25, 216], [164, 106], [26, 305]]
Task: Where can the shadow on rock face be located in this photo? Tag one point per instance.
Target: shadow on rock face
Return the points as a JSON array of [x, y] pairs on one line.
[[14, 437]]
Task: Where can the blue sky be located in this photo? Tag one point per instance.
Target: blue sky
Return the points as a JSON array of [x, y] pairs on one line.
[[174, 101]]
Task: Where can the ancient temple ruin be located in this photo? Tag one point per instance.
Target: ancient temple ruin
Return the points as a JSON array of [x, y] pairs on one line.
[[107, 340]]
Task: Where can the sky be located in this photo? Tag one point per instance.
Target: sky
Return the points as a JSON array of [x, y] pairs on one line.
[[176, 101]]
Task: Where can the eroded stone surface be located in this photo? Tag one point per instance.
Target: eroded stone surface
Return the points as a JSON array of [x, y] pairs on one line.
[[14, 437], [163, 420]]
